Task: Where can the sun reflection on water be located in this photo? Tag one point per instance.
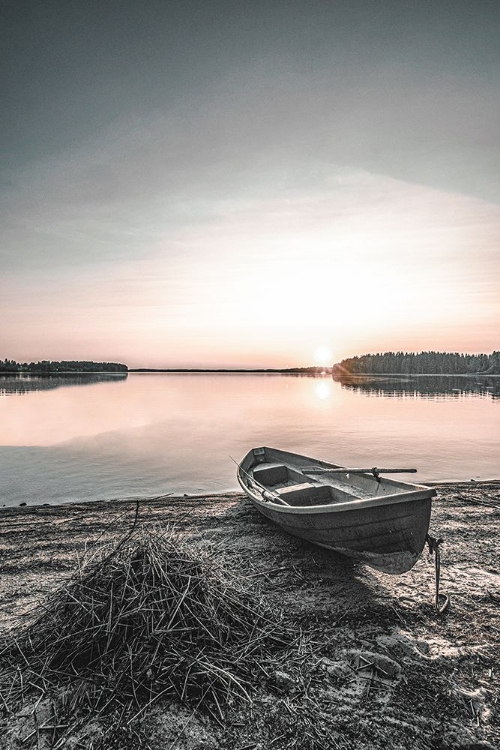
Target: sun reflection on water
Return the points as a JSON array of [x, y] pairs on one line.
[[323, 390]]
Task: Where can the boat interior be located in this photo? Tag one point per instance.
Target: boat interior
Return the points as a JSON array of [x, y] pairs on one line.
[[287, 485], [296, 489]]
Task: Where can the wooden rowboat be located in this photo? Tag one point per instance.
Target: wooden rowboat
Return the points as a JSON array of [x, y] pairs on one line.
[[356, 512]]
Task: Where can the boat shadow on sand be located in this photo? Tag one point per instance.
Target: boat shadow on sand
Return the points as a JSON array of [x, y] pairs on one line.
[[306, 581]]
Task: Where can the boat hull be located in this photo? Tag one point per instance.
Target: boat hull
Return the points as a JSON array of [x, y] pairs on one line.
[[387, 533]]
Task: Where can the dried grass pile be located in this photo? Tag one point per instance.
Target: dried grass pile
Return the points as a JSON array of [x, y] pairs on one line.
[[154, 618]]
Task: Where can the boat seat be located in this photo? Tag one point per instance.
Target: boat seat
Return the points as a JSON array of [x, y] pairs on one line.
[[305, 493], [271, 474], [295, 488]]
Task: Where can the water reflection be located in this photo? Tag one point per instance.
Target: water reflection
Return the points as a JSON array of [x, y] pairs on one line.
[[422, 386], [323, 390], [20, 384], [150, 434]]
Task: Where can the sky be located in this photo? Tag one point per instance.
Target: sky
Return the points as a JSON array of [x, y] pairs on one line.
[[248, 184]]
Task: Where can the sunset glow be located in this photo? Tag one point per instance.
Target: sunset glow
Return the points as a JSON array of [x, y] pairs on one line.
[[323, 355]]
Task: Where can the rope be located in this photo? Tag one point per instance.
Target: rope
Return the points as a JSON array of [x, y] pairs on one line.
[[434, 547]]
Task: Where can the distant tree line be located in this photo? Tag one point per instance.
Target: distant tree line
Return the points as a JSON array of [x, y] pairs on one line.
[[260, 370], [422, 363], [48, 366], [306, 370]]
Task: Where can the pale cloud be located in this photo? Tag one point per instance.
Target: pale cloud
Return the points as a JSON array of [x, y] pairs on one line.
[[252, 134]]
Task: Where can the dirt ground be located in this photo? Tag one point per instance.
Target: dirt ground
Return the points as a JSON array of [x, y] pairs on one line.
[[379, 668]]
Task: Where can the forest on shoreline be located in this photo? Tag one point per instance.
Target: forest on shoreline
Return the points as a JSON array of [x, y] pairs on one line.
[[422, 363], [48, 366], [387, 363]]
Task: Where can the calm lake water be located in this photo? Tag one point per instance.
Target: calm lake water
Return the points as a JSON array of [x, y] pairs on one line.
[[70, 438]]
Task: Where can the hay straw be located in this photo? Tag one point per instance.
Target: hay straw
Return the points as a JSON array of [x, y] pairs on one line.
[[154, 618]]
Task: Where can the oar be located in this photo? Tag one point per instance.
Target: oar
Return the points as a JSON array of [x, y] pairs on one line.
[[374, 471]]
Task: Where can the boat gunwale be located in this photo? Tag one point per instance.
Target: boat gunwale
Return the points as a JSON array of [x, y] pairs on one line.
[[421, 492]]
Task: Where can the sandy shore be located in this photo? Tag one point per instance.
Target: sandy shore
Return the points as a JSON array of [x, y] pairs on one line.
[[442, 672]]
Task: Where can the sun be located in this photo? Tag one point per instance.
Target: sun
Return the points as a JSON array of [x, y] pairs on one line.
[[323, 355]]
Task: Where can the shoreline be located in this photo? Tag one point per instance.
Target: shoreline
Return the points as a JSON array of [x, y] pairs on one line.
[[313, 371], [447, 695], [459, 484]]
